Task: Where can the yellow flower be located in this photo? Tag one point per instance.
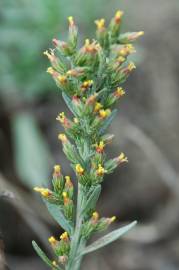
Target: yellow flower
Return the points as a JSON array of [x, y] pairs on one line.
[[45, 192], [64, 236], [61, 117], [50, 70], [100, 24], [119, 92], [66, 199], [79, 169], [113, 218], [97, 106], [95, 216], [54, 263], [52, 240], [62, 79], [121, 59], [75, 119], [122, 158], [57, 169], [118, 16], [100, 147], [86, 84], [100, 171], [64, 194], [110, 220], [104, 113], [131, 66], [71, 21], [49, 55], [62, 137], [126, 50], [68, 183]]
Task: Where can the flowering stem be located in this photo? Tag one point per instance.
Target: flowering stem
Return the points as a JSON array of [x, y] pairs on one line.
[[75, 242], [90, 88]]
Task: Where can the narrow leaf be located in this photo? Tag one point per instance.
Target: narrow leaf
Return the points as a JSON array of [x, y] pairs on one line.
[[91, 202], [43, 256], [32, 155], [107, 239], [57, 214], [108, 121], [69, 103]]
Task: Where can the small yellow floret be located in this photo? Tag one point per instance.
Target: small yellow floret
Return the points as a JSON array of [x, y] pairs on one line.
[[50, 70], [52, 240], [87, 42], [61, 117], [97, 106], [75, 119], [119, 92], [100, 147], [118, 16], [140, 33], [122, 158], [67, 178], [104, 113], [71, 20], [64, 236], [79, 169], [113, 218], [131, 66], [54, 263], [100, 171], [62, 79], [100, 24], [57, 169], [62, 137], [64, 194], [95, 216], [86, 84], [45, 192]]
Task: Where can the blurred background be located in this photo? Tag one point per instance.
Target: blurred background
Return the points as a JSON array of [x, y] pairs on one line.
[[146, 129]]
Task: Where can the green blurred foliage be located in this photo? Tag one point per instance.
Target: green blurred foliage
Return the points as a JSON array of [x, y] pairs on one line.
[[26, 30]]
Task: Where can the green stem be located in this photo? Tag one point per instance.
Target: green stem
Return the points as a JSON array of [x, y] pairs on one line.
[[74, 264]]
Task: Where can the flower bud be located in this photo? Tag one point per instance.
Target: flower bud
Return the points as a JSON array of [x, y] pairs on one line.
[[73, 32], [63, 47], [79, 169], [45, 192], [63, 138], [129, 37], [76, 72], [114, 26]]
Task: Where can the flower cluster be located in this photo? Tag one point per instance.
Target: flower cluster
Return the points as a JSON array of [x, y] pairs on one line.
[[90, 80]]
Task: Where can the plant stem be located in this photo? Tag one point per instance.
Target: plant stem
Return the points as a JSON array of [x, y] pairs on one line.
[[74, 264]]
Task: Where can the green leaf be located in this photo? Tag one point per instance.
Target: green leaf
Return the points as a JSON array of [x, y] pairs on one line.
[[107, 239], [108, 121], [43, 256], [32, 155], [57, 214], [69, 103], [93, 198]]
